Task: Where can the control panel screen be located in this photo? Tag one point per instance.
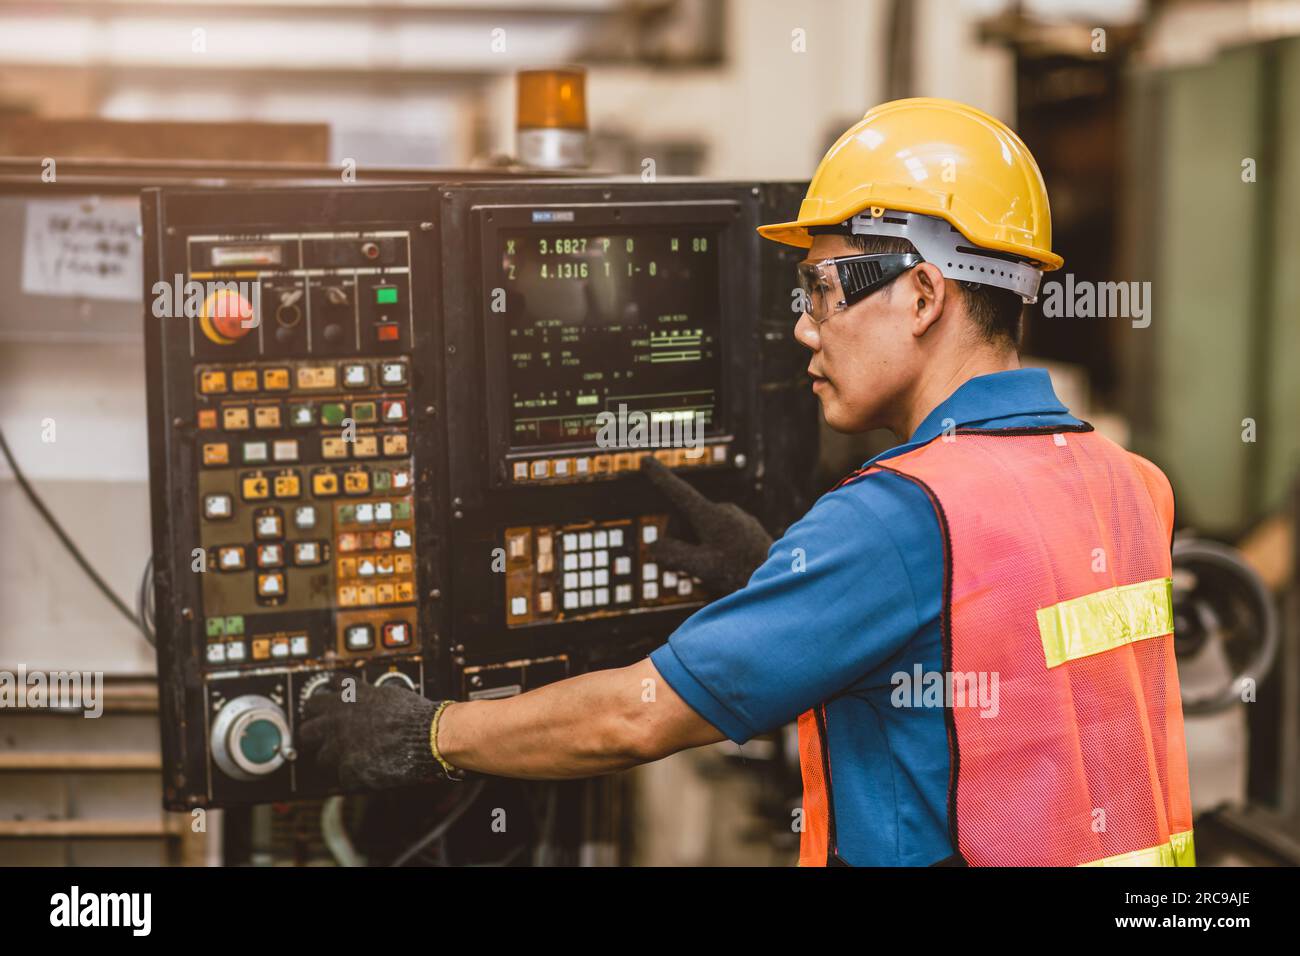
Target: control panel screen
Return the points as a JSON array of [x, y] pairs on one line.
[[618, 322]]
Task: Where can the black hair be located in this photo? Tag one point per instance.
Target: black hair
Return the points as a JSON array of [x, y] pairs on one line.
[[995, 312]]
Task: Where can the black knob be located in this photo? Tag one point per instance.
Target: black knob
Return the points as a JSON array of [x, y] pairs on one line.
[[333, 332]]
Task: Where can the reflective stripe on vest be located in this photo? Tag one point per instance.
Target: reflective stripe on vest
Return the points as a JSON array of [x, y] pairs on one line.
[[1057, 546]]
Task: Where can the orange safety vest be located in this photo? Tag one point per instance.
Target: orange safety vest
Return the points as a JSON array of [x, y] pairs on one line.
[[1057, 594]]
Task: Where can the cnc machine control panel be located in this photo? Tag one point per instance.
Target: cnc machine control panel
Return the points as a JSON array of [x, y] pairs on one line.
[[395, 432]]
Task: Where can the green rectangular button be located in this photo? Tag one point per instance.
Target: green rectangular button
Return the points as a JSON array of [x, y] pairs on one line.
[[234, 625], [386, 294], [216, 627]]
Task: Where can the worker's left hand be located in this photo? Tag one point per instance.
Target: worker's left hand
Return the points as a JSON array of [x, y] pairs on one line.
[[367, 737]]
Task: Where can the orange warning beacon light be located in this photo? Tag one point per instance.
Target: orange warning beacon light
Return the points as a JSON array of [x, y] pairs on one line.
[[551, 118]]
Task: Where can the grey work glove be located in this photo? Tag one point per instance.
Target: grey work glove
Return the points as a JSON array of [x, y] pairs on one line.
[[732, 544], [367, 737]]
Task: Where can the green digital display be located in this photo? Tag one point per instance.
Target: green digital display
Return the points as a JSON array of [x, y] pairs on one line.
[[386, 295], [603, 322]]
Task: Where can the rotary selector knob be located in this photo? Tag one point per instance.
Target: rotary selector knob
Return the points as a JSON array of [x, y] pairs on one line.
[[395, 677], [250, 738]]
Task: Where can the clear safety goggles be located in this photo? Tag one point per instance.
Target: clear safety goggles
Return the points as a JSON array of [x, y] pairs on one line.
[[833, 285]]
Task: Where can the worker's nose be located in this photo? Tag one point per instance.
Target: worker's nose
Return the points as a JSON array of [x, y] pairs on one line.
[[806, 334]]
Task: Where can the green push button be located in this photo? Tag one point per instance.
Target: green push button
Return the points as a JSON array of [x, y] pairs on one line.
[[401, 510], [235, 625], [347, 514], [260, 741], [332, 413], [363, 412], [381, 480], [386, 294], [216, 627]]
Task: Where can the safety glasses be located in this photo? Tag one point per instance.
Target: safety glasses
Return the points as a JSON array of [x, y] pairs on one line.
[[833, 285]]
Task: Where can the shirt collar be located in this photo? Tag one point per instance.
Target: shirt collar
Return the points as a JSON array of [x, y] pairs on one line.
[[986, 398]]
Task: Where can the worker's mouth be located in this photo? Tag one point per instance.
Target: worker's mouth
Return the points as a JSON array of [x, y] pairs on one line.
[[817, 380]]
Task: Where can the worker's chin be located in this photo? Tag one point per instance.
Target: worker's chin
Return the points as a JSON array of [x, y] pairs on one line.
[[836, 415], [841, 417]]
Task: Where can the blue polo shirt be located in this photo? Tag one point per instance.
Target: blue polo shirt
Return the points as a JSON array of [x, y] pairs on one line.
[[847, 598]]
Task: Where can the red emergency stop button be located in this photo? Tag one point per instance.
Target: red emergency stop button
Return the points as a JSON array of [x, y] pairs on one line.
[[226, 317]]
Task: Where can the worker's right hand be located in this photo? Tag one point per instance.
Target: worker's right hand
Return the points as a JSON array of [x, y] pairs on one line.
[[732, 543]]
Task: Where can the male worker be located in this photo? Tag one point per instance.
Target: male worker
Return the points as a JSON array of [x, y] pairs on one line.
[[974, 630]]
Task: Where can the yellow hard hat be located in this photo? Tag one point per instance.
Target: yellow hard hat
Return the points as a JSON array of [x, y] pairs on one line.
[[936, 158]]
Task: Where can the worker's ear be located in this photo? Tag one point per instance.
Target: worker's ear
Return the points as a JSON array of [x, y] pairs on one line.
[[927, 292]]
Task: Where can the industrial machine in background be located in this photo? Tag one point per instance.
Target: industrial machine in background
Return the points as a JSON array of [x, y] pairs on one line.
[[375, 419]]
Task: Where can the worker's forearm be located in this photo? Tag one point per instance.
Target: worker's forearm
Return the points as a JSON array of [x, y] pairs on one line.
[[593, 724]]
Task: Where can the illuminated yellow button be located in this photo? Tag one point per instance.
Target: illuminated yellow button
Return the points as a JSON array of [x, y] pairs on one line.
[[366, 446], [267, 416], [216, 453], [402, 564], [212, 382], [270, 585], [207, 418], [244, 380], [333, 448], [405, 591], [255, 488], [317, 376], [366, 594], [356, 482], [275, 379], [325, 484], [347, 567], [261, 648], [394, 445], [347, 596], [287, 486], [600, 465], [385, 594]]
